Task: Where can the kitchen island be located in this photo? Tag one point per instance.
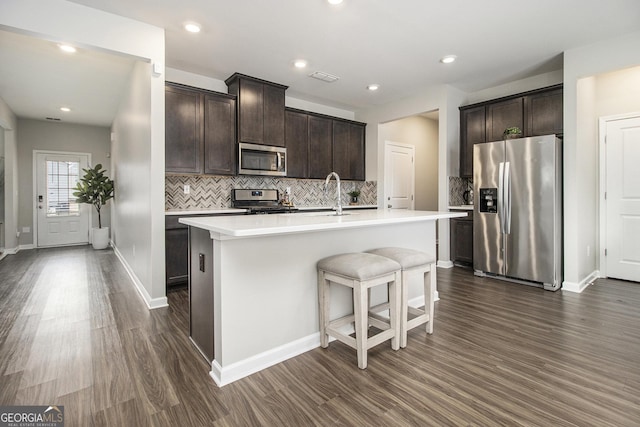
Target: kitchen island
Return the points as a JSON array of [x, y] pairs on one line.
[[253, 291]]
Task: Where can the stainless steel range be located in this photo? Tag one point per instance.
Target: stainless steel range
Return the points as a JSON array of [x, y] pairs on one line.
[[259, 201]]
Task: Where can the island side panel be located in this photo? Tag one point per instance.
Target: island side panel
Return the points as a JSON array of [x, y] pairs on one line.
[[201, 308], [267, 285]]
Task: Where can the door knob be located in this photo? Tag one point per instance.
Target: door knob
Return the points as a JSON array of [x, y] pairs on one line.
[[389, 206], [39, 206]]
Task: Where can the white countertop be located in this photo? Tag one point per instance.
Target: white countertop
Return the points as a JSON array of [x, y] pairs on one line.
[[462, 207], [263, 225]]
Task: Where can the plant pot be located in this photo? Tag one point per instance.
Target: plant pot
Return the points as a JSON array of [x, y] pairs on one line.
[[100, 237], [354, 200]]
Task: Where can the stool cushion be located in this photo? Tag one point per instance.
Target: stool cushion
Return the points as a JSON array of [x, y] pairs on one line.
[[407, 258], [361, 266]]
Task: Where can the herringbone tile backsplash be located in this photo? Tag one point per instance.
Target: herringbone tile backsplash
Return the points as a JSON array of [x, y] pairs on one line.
[[210, 192]]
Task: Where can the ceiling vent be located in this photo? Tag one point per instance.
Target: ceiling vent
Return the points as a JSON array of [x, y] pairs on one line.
[[325, 77]]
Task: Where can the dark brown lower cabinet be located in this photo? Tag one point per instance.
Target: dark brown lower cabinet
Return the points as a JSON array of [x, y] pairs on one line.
[[461, 234], [176, 241]]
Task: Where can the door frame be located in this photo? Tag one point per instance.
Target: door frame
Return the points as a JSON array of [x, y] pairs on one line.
[[34, 203], [602, 202], [386, 171]]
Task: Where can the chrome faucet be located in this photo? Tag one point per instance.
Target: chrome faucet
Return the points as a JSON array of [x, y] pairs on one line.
[[326, 185]]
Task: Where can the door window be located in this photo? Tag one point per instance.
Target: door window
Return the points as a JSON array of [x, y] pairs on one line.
[[62, 177]]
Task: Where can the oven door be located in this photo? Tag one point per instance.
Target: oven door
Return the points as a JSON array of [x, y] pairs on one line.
[[262, 160]]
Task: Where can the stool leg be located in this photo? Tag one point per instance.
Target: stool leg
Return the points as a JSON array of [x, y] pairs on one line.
[[395, 310], [360, 311], [429, 291], [404, 307], [323, 308]]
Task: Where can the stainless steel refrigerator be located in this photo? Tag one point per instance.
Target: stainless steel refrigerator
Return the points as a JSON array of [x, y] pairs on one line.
[[517, 229]]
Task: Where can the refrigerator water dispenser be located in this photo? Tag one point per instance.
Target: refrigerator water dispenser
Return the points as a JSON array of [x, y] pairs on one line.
[[489, 200]]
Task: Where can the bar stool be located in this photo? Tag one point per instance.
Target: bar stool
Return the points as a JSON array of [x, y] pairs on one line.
[[412, 262], [360, 272]]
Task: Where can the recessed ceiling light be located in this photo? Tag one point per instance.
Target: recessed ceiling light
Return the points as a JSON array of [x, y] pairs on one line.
[[373, 87], [448, 59], [65, 109], [300, 63], [334, 1], [192, 27], [67, 48]]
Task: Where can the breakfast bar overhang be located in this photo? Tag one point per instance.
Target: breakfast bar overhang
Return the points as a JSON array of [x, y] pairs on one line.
[[253, 291]]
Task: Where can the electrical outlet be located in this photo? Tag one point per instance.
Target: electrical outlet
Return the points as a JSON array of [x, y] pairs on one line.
[[588, 250], [187, 189]]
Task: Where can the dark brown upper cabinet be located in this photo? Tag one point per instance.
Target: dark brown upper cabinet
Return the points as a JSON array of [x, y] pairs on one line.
[[543, 113], [472, 131], [183, 130], [260, 110], [219, 135], [200, 131], [538, 112], [318, 144], [320, 147], [503, 115], [348, 150], [297, 143]]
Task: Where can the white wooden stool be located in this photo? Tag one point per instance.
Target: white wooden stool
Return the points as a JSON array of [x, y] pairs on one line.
[[412, 262], [360, 272]]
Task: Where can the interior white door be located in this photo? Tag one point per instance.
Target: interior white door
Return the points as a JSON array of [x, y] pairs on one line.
[[623, 199], [60, 220], [399, 175]]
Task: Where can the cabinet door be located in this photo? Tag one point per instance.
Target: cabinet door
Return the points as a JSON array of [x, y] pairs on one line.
[[273, 115], [297, 143], [543, 112], [348, 150], [176, 256], [251, 104], [219, 135], [503, 115], [320, 147], [472, 131], [461, 241], [183, 130]]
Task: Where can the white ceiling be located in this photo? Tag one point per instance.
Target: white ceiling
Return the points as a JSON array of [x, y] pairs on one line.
[[394, 43]]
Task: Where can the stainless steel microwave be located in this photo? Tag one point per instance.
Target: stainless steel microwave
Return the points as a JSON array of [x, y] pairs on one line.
[[257, 159]]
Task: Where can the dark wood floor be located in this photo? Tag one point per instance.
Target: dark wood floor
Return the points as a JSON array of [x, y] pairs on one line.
[[74, 332]]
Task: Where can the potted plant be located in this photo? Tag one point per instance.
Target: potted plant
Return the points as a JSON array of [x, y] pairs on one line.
[[95, 188], [354, 194], [512, 132]]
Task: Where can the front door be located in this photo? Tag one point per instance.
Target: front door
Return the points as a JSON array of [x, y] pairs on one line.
[[60, 220], [399, 175], [623, 199]]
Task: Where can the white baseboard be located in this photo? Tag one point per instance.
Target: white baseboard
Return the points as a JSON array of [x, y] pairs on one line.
[[235, 371], [582, 285], [11, 251], [152, 303], [444, 264], [26, 247]]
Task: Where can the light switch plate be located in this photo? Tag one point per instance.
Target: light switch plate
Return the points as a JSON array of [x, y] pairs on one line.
[[187, 189]]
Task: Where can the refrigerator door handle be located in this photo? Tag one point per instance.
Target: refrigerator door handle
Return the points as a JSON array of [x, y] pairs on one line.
[[501, 196], [507, 198]]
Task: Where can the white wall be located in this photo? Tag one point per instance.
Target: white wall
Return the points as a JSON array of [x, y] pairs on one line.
[[42, 135], [9, 125], [131, 151], [421, 133], [580, 175], [94, 29]]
